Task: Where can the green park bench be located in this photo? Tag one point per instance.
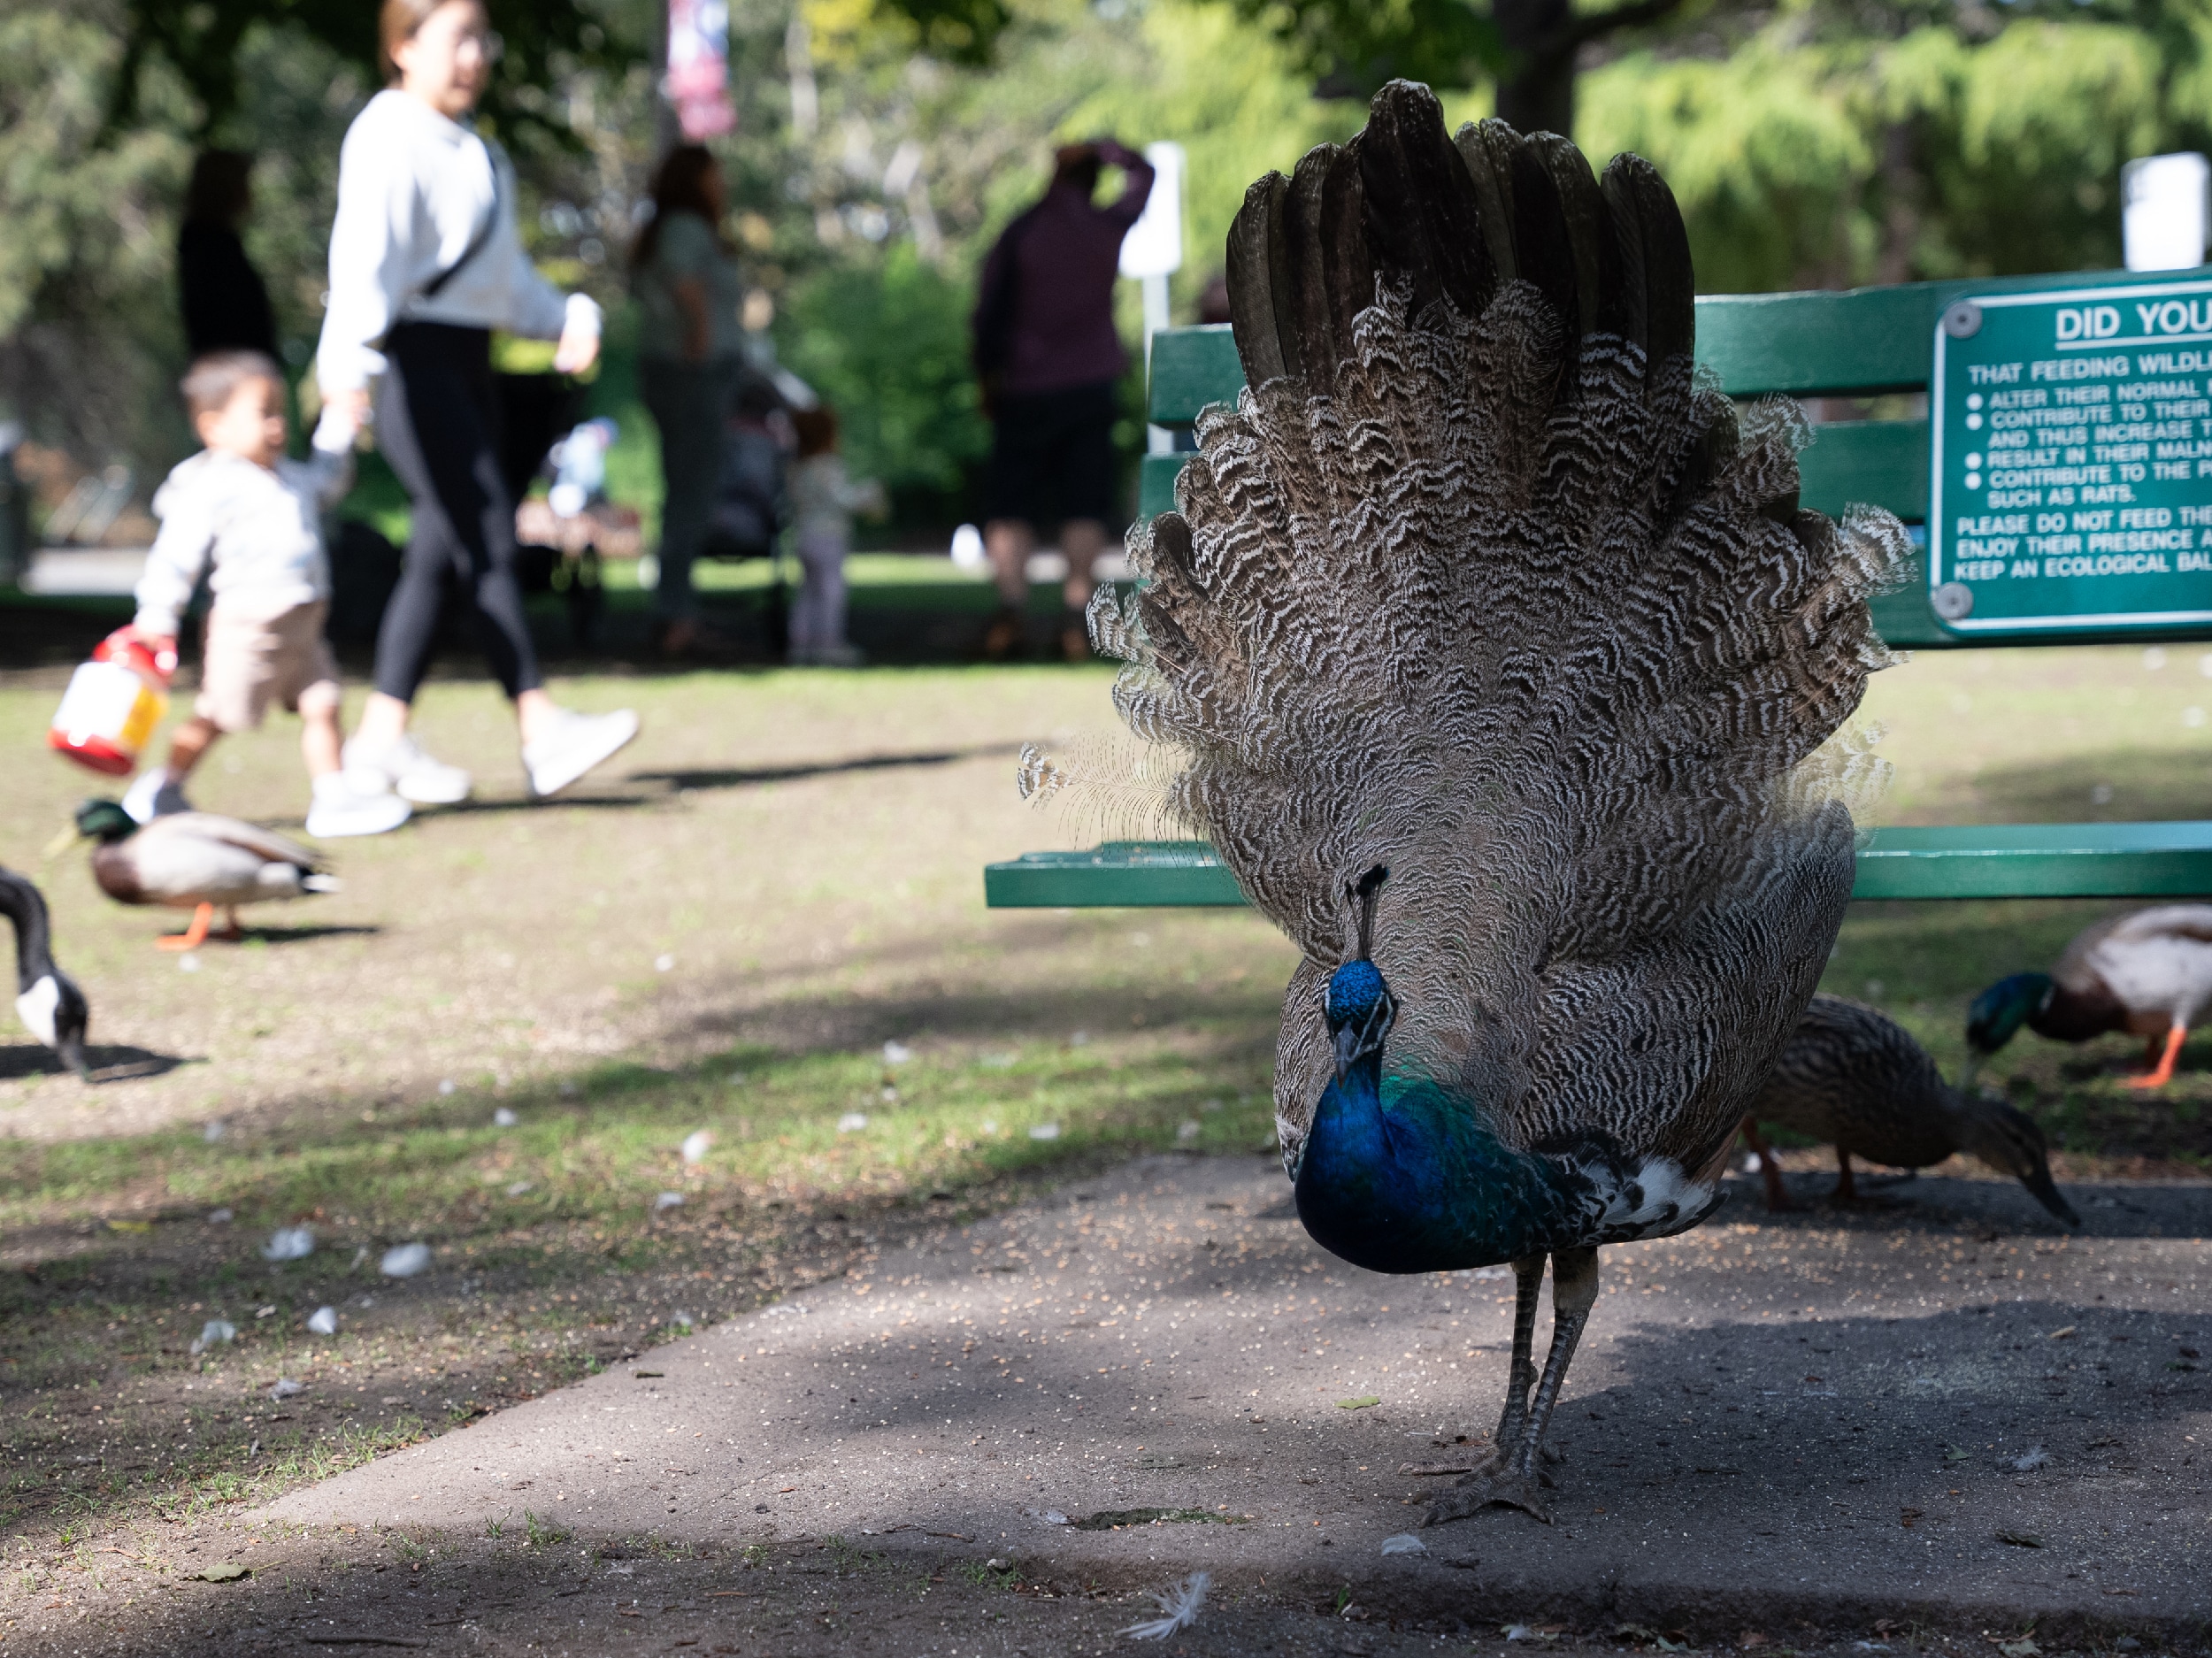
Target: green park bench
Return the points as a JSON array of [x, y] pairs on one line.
[[2060, 490]]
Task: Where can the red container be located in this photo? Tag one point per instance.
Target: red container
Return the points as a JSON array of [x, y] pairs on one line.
[[112, 704]]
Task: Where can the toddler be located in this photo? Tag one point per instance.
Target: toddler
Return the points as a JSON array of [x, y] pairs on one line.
[[823, 502], [256, 516]]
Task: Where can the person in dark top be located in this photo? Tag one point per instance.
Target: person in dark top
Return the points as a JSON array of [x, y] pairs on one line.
[[1048, 358], [226, 305]]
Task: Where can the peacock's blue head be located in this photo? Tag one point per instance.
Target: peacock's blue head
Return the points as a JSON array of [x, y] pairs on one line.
[[1358, 1005]]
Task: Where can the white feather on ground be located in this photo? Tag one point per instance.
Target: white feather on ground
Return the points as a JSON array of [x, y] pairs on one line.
[[1178, 1608]]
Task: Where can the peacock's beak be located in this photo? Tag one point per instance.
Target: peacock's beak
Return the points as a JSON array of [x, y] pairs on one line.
[[1348, 1044], [1974, 1058]]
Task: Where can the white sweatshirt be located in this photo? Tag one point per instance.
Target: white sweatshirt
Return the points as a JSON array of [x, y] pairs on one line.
[[824, 500], [262, 527], [414, 189]]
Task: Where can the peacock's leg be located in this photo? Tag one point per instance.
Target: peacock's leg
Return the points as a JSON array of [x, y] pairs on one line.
[[1512, 1477], [1528, 1274]]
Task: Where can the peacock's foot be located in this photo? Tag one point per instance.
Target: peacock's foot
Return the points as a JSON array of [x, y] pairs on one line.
[[1476, 1461], [1478, 1492]]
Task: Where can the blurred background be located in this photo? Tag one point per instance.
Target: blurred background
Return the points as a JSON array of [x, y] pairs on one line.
[[878, 146]]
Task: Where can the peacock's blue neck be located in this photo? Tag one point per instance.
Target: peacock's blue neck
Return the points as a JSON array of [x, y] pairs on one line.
[[1398, 1176]]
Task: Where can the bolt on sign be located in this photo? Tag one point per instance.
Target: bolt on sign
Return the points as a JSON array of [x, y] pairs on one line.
[[2070, 483]]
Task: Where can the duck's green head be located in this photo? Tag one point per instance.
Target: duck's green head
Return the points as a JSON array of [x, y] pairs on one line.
[[1359, 1006], [104, 821], [2000, 1011]]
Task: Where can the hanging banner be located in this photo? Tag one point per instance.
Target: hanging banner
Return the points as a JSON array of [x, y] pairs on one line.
[[698, 82]]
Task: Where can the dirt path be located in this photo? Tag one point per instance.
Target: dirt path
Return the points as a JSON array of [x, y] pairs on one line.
[[1936, 1417]]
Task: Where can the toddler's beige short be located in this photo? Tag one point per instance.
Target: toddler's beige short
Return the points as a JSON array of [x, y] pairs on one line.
[[251, 662]]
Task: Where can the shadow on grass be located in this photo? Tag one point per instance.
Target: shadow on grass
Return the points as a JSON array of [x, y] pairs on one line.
[[739, 776], [118, 1064], [302, 934]]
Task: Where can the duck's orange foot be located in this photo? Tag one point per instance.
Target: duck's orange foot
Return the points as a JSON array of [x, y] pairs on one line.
[[193, 936], [2164, 1074]]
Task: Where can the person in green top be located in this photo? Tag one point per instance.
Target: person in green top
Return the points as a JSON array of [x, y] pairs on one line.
[[690, 346]]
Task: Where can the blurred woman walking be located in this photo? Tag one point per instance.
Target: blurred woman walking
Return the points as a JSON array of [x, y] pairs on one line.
[[425, 262], [690, 346]]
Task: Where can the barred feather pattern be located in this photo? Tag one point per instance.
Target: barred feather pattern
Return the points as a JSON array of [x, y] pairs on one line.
[[1532, 619]]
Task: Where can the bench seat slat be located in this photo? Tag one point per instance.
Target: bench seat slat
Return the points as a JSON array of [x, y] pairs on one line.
[[2149, 859]]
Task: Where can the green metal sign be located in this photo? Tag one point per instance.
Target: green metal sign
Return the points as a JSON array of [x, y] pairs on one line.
[[2070, 483]]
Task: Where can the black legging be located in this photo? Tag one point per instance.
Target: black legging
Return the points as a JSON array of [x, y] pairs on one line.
[[438, 425]]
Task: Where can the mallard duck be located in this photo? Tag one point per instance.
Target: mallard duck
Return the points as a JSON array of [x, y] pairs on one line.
[[195, 861], [47, 1000], [1853, 1077], [2149, 973]]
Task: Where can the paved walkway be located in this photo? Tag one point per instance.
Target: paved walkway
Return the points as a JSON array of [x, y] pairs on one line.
[[1942, 1412]]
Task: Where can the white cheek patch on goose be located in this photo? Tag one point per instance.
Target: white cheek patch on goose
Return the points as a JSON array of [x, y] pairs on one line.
[[36, 1008]]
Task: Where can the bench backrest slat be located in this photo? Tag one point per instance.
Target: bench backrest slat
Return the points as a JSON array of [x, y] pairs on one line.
[[1859, 343], [1856, 343]]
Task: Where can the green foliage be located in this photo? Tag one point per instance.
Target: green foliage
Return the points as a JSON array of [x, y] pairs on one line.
[[1902, 142], [86, 234], [1359, 46], [202, 42], [886, 343]]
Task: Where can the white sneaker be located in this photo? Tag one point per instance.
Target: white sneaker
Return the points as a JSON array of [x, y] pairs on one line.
[[570, 744], [152, 794], [401, 768], [339, 809]]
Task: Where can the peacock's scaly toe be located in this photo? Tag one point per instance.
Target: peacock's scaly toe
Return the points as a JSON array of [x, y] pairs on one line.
[[1478, 1492]]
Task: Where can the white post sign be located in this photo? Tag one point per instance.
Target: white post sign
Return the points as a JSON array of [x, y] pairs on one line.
[[1153, 251], [2163, 201]]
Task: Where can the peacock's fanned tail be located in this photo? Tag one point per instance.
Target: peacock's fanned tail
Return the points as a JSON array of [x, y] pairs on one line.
[[1477, 581]]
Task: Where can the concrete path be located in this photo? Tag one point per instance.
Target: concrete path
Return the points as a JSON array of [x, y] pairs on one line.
[[1941, 1412]]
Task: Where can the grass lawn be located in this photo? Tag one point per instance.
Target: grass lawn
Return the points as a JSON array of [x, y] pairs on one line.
[[762, 922]]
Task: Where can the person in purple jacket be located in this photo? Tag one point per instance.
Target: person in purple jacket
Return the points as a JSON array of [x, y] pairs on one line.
[[1048, 358]]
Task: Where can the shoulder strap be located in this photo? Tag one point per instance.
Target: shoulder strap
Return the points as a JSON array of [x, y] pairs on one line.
[[431, 288]]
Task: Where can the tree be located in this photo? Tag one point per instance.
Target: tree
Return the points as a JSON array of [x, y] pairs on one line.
[[201, 41], [1529, 48]]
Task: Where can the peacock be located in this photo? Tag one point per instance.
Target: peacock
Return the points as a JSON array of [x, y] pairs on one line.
[[1851, 1076], [2147, 973], [47, 1000], [1497, 657]]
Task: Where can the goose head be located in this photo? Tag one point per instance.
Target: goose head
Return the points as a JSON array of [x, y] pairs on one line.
[[54, 1010]]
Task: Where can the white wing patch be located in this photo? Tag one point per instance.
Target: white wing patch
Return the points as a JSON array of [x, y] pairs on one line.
[[36, 1008], [1661, 1200]]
